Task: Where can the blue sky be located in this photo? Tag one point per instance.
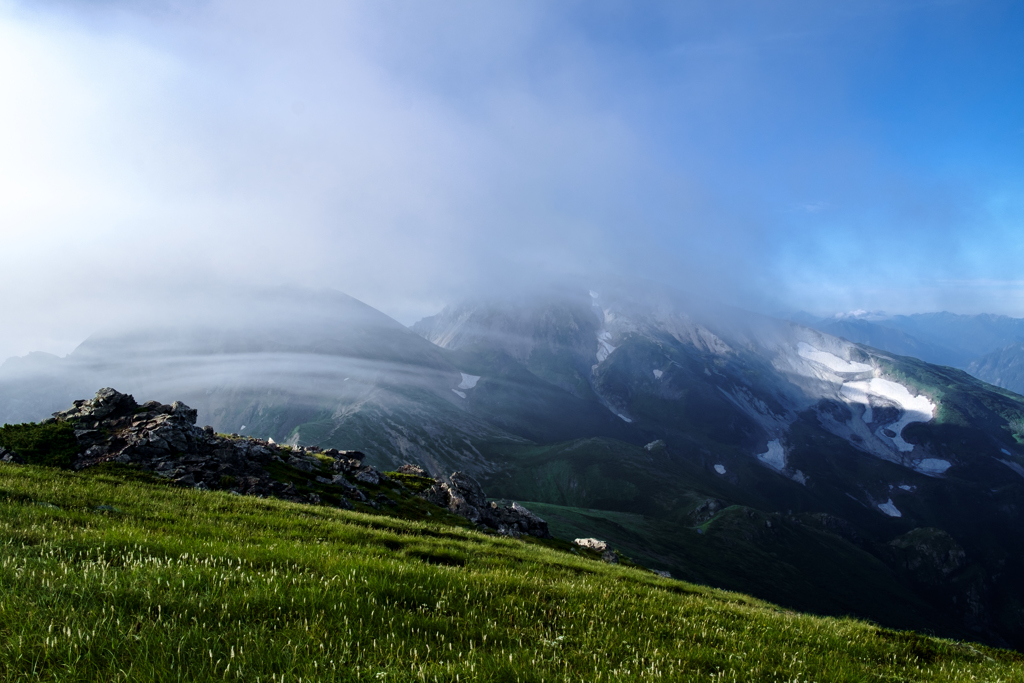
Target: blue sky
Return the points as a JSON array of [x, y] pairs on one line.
[[785, 155]]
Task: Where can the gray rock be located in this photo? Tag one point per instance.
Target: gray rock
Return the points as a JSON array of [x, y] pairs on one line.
[[10, 457], [306, 463], [368, 475], [186, 480]]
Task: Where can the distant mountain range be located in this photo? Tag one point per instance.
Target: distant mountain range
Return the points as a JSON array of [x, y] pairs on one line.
[[980, 344], [728, 448]]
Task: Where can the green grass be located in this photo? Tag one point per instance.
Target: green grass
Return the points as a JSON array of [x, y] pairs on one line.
[[184, 585]]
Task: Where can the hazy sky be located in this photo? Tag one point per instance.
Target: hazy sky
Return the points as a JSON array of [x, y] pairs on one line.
[[817, 155]]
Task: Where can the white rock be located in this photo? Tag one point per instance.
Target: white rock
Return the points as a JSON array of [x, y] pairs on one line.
[[592, 543]]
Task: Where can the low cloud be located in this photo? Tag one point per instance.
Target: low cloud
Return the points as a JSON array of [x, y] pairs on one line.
[[411, 156]]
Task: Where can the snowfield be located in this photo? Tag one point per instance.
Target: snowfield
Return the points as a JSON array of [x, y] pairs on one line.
[[830, 360], [468, 381], [889, 509], [775, 456], [933, 466], [915, 408]]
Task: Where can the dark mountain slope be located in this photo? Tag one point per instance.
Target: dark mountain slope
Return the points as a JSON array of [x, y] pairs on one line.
[[1003, 367]]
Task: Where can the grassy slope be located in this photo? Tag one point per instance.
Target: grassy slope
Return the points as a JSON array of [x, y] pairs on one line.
[[185, 585]]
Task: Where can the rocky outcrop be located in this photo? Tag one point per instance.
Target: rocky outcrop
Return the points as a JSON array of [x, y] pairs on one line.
[[164, 439], [706, 510], [463, 496]]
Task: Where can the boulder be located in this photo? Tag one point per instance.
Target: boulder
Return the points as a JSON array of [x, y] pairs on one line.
[[369, 475], [602, 547], [592, 544]]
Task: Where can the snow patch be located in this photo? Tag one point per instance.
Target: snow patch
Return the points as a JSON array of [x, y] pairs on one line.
[[933, 466], [914, 408], [800, 478], [459, 393], [604, 346], [830, 360], [775, 456], [889, 509], [623, 417], [659, 373], [908, 487], [720, 469], [1005, 452], [468, 381]]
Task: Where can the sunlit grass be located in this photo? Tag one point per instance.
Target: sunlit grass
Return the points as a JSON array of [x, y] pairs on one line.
[[184, 585]]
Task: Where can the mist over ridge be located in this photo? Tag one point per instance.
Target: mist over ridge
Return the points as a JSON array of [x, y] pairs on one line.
[[413, 157]]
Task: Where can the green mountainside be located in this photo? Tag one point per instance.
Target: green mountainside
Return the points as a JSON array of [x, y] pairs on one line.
[[108, 576], [731, 449]]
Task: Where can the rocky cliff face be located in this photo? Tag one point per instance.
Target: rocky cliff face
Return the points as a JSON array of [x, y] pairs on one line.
[[164, 440]]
